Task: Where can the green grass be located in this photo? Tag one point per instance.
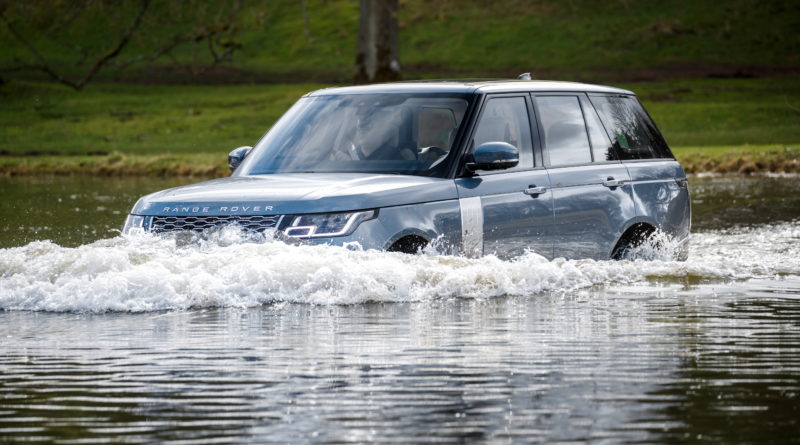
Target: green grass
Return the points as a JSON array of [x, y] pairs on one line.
[[113, 127], [573, 36], [42, 117], [715, 112], [188, 130], [51, 119], [575, 39]]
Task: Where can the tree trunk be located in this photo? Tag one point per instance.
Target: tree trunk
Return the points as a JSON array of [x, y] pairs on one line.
[[377, 57]]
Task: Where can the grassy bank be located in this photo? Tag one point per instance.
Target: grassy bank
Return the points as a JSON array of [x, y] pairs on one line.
[[741, 160], [719, 125], [202, 165]]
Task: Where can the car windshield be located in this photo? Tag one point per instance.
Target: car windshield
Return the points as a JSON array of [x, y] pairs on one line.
[[366, 133]]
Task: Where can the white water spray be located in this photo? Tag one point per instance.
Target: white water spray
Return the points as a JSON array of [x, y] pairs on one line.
[[148, 273]]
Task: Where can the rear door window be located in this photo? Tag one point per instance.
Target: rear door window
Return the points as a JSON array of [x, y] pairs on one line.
[[565, 138], [630, 128]]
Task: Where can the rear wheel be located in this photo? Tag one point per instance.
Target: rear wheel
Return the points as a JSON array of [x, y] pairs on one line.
[[633, 238]]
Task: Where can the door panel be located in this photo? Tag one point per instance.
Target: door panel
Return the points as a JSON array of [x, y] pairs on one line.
[[508, 212], [592, 198], [590, 216], [517, 212]]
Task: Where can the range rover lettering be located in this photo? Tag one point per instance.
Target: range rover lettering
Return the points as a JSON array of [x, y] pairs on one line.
[[469, 167]]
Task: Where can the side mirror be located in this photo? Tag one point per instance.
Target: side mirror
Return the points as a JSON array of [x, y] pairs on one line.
[[493, 156], [237, 156]]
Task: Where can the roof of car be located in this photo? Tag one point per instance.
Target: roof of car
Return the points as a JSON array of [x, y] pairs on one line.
[[469, 86]]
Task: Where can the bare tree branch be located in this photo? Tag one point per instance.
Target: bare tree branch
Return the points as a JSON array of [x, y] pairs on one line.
[[69, 18], [78, 85], [114, 52], [208, 33], [216, 25], [42, 66], [177, 40]]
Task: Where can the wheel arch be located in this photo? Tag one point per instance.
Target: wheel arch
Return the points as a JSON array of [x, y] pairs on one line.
[[636, 232], [409, 241]]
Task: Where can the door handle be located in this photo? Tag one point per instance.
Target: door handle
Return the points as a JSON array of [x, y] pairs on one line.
[[535, 191], [611, 182]]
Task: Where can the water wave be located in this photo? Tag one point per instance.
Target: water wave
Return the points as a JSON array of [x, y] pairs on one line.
[[147, 273]]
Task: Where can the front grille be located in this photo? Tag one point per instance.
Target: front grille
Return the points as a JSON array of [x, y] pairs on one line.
[[249, 223]]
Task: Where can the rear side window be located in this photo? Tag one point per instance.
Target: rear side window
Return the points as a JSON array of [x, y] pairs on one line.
[[602, 149], [565, 137], [630, 128]]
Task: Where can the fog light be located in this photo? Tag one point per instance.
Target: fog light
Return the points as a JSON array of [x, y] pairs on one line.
[[133, 224]]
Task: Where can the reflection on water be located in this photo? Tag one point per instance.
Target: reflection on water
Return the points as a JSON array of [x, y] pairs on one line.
[[223, 346], [70, 210], [653, 366], [733, 201]]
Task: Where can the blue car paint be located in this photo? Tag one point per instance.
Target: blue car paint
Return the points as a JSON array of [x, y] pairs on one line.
[[296, 193], [572, 214], [435, 221], [589, 216], [661, 196], [513, 222]]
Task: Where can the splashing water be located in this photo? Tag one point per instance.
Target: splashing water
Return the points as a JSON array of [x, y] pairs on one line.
[[147, 273]]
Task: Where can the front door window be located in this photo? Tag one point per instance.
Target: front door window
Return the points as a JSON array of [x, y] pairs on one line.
[[505, 119]]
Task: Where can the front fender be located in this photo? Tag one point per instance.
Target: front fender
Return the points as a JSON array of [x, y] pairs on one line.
[[438, 222]]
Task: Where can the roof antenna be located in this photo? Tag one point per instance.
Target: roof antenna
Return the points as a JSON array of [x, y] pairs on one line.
[[525, 76]]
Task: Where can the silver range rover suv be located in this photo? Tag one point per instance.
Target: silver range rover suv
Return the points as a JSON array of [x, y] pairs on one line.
[[470, 167]]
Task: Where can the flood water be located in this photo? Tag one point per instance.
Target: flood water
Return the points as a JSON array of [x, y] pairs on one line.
[[106, 339]]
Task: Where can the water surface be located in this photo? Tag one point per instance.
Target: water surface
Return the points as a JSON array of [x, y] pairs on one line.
[[142, 340], [70, 210]]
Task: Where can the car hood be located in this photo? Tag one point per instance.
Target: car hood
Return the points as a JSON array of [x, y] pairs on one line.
[[295, 193]]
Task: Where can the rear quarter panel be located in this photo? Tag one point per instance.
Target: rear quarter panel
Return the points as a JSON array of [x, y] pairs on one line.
[[661, 195]]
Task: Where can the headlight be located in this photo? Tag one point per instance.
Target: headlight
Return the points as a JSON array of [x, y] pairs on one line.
[[327, 224], [133, 224]]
